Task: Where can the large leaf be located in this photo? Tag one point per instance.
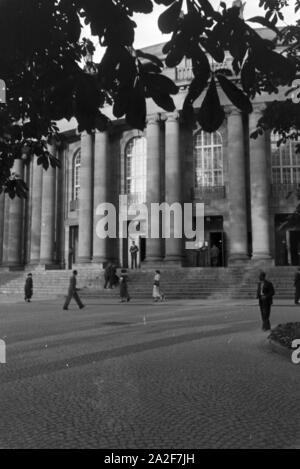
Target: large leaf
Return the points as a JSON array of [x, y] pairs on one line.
[[174, 57], [214, 49], [196, 87], [211, 114], [264, 22], [164, 2], [164, 101], [140, 6], [200, 62], [150, 57], [248, 76], [121, 102], [271, 63], [136, 114], [167, 21], [207, 7], [235, 95], [160, 83]]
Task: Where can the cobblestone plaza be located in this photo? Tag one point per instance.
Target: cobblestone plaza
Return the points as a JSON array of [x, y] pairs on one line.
[[173, 375]]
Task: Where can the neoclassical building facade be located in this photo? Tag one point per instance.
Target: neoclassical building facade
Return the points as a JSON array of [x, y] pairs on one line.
[[248, 187]]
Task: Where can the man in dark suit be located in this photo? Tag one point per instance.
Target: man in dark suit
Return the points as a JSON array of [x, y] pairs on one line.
[[133, 251], [297, 286], [265, 293], [72, 292]]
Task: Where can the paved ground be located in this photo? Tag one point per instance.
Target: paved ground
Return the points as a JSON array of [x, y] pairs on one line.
[[174, 375]]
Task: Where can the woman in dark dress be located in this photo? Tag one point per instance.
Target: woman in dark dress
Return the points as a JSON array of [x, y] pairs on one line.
[[28, 289], [124, 295]]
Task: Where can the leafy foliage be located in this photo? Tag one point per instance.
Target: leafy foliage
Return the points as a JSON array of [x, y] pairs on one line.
[[50, 74]]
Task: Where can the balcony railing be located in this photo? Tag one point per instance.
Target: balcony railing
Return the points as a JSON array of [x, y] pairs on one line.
[[284, 192], [185, 72], [74, 205], [209, 193], [136, 198]]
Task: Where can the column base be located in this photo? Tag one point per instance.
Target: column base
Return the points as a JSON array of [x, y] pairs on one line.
[[152, 260], [14, 267], [47, 266], [238, 259], [262, 260], [84, 260], [173, 260]]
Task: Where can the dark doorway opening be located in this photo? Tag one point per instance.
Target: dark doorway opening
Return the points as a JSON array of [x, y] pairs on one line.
[[217, 239], [140, 241], [73, 246], [295, 247], [143, 248]]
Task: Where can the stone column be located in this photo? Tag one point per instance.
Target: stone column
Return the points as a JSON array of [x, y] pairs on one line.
[[36, 213], [153, 246], [173, 176], [238, 232], [15, 228], [259, 191], [102, 183], [48, 214], [86, 200]]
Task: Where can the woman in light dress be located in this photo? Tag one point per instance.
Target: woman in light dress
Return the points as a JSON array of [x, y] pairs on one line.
[[157, 294]]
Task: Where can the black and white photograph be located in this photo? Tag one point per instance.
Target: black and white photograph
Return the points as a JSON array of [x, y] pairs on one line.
[[150, 227]]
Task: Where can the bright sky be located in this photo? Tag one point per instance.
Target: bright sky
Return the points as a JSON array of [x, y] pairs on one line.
[[147, 32]]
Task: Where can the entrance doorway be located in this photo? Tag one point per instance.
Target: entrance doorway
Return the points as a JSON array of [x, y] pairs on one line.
[[73, 246], [295, 247], [287, 243], [217, 239], [140, 241]]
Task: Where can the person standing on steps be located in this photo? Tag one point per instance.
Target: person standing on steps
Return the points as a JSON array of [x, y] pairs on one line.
[[265, 293], [133, 252], [114, 279], [72, 292], [297, 286], [28, 288], [107, 275], [214, 255], [124, 295]]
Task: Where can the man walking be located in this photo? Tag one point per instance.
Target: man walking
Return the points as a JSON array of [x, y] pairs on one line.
[[265, 293], [133, 251], [72, 292], [297, 286], [28, 288]]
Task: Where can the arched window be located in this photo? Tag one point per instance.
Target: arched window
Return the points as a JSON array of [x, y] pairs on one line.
[[285, 162], [208, 156], [76, 175], [135, 168]]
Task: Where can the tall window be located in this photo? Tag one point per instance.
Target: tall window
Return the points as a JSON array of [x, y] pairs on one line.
[[285, 163], [135, 168], [208, 155], [76, 175]]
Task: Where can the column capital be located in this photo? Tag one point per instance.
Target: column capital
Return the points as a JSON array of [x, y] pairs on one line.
[[86, 134], [153, 119], [172, 116], [258, 108], [232, 111]]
